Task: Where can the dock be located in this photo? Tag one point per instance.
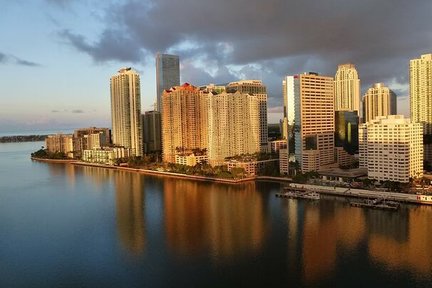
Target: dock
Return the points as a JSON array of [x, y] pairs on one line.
[[378, 203], [298, 193]]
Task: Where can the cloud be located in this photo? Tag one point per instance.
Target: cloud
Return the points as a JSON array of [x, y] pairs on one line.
[[78, 111], [55, 111], [12, 59], [217, 40]]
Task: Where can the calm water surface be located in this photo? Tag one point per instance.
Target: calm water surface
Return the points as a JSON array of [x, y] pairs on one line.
[[67, 226]]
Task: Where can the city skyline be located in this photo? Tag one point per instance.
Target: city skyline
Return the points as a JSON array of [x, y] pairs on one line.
[[55, 64]]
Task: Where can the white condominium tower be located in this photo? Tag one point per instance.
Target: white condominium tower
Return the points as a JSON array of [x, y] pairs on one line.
[[233, 125], [391, 148], [421, 100], [379, 100], [126, 110], [255, 87], [347, 88], [167, 75]]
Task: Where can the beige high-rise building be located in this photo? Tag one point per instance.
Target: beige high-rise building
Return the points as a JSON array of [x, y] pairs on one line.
[[421, 100], [391, 148], [314, 120], [379, 100], [184, 120], [255, 87], [126, 110], [234, 125], [347, 88]]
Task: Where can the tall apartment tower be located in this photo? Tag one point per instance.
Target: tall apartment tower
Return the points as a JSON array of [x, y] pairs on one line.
[[289, 89], [347, 88], [126, 110], [421, 100], [391, 148], [184, 120], [151, 122], [167, 75], [234, 125], [255, 87], [379, 100], [314, 119]]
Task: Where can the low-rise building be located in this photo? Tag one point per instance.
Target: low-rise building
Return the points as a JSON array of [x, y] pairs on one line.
[[251, 167], [107, 155], [190, 159], [276, 145]]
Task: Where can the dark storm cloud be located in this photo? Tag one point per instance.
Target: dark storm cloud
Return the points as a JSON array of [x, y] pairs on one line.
[[11, 59], [282, 37]]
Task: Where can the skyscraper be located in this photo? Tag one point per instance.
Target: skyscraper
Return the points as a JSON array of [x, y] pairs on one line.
[[347, 88], [167, 75], [314, 124], [255, 87], [379, 100], [421, 100], [184, 120], [126, 110], [151, 122], [233, 125]]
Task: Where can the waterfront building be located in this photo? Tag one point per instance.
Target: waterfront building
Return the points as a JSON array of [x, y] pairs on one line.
[[81, 132], [126, 110], [184, 120], [152, 132], [379, 100], [167, 75], [421, 100], [391, 148], [60, 143], [283, 161], [105, 155], [347, 88], [233, 125], [252, 167], [255, 87], [191, 158], [314, 122]]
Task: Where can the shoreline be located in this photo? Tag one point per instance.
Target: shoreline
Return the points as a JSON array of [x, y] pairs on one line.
[[164, 173]]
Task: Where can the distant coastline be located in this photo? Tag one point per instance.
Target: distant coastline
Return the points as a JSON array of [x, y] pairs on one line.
[[22, 138]]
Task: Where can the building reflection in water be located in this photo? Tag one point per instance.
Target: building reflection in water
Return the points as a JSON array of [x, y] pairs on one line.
[[226, 221], [129, 192], [412, 251]]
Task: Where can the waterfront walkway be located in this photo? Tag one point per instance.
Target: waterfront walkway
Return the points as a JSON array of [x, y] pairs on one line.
[[360, 193]]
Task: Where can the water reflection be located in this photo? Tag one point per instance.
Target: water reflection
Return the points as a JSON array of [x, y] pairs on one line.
[[225, 221]]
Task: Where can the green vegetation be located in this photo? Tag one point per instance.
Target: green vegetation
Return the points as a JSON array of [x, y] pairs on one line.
[[44, 154], [305, 177]]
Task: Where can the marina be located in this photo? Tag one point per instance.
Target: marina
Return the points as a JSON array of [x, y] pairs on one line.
[[298, 193]]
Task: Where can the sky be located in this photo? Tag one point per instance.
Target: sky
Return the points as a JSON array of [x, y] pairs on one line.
[[57, 56]]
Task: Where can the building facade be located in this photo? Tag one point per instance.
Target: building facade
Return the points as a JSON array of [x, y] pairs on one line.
[[347, 88], [126, 111], [391, 148], [233, 125], [167, 75], [421, 100], [184, 120], [152, 132], [256, 88], [107, 155], [379, 100], [314, 123]]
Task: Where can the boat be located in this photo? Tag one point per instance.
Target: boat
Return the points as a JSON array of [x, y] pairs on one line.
[[302, 193], [378, 203]]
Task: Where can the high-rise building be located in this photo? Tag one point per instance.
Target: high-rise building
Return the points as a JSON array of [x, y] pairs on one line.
[[126, 110], [151, 121], [167, 75], [347, 88], [184, 120], [234, 125], [346, 128], [314, 124], [379, 100], [289, 89], [255, 87], [391, 148], [421, 100]]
